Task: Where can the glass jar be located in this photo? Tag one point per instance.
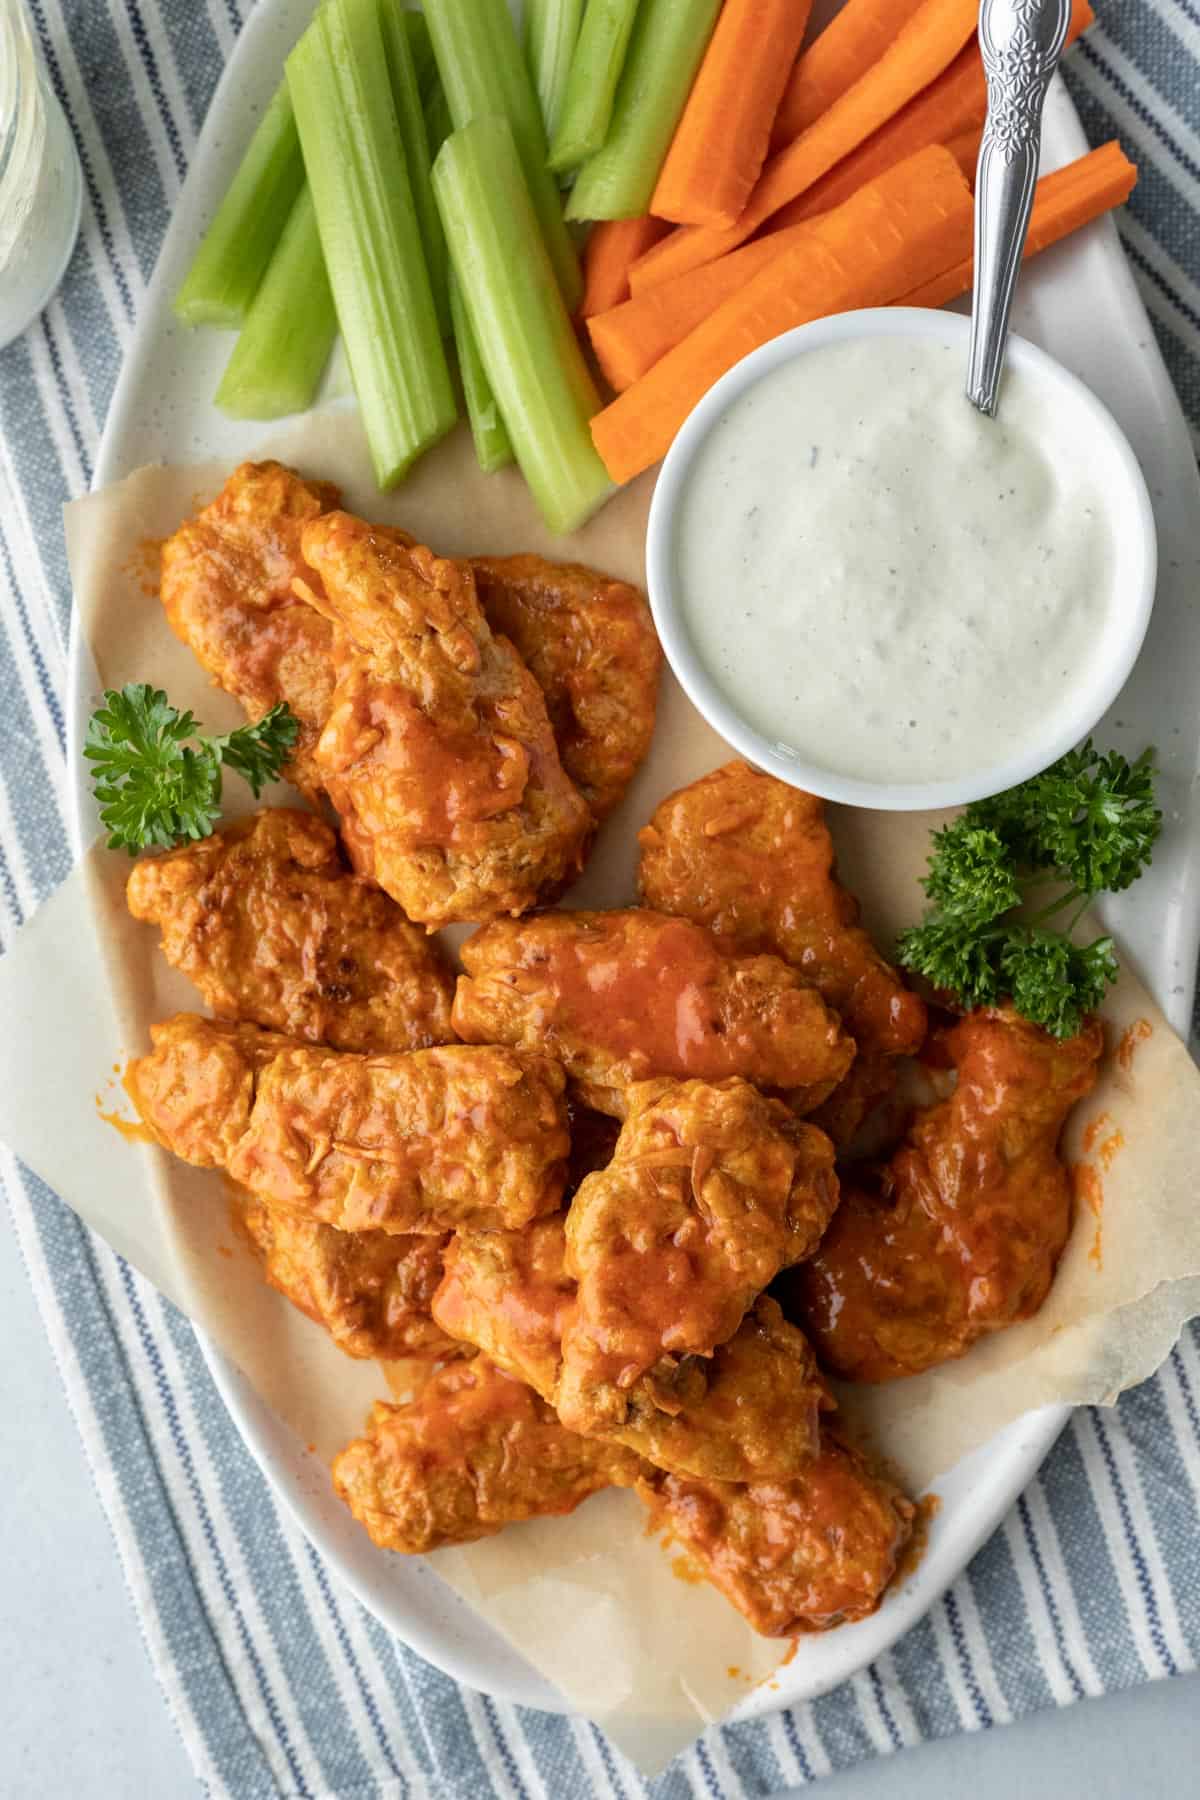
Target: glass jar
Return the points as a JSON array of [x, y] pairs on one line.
[[40, 183]]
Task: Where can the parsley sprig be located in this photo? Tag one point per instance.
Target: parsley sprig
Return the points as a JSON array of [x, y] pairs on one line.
[[158, 779], [1085, 826]]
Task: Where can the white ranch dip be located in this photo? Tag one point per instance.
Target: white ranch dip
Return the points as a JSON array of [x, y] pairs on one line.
[[882, 581]]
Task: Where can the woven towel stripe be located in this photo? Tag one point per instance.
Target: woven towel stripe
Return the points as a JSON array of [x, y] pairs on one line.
[[243, 1534], [840, 1725], [316, 1661], [40, 668], [66, 1265], [37, 853], [234, 1602], [419, 1717], [1163, 1501], [1047, 1555], [113, 264], [1142, 1603], [196, 56], [877, 1720], [434, 1712], [998, 1623], [553, 1752], [37, 479], [1045, 1618], [600, 1772]]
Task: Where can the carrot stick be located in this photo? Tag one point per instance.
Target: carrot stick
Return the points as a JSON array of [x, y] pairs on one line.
[[837, 58], [629, 339], [1063, 201], [953, 104], [890, 238], [965, 150], [928, 43], [613, 246], [720, 143]]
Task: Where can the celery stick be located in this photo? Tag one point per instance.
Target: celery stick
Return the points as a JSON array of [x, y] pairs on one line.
[[483, 71], [354, 155], [529, 350], [493, 446], [438, 123], [551, 30], [592, 83], [236, 248], [421, 45], [282, 349], [665, 51], [406, 98]]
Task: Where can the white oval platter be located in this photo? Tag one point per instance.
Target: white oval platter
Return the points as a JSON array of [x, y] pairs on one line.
[[1079, 302]]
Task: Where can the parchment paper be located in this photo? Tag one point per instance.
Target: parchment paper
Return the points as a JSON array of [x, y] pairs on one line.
[[591, 1601]]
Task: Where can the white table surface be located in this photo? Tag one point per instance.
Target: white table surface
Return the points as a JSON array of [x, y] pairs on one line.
[[82, 1716]]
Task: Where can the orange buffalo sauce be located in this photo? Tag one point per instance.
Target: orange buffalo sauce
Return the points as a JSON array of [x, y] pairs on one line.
[[928, 1508], [436, 784], [1089, 1192], [653, 997], [1132, 1038], [132, 1130]]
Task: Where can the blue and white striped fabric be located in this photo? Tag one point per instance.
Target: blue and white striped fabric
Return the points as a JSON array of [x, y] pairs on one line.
[[279, 1682]]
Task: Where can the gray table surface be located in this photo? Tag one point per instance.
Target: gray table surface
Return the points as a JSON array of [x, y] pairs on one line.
[[82, 1717]]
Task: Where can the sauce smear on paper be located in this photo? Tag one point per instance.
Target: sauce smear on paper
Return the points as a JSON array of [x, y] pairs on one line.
[[132, 1130], [1089, 1192], [1132, 1038]]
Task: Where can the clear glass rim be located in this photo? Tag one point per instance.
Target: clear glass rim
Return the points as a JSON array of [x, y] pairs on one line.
[[22, 129]]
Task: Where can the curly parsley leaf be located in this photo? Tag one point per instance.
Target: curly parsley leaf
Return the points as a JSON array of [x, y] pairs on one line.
[[970, 873], [954, 957], [1089, 823], [258, 752], [1091, 816], [1054, 982], [1097, 820], [158, 780]]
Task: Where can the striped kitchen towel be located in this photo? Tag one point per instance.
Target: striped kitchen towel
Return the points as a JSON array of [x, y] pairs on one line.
[[280, 1683]]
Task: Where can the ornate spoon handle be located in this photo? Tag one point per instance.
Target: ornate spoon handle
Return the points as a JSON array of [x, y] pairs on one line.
[[1021, 41]]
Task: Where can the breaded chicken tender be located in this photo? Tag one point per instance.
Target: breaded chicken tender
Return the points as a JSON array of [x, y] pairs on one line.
[[271, 926], [751, 1409], [590, 643], [752, 859], [195, 1090], [438, 752], [475, 1451], [227, 588], [508, 1294], [711, 1191], [371, 1290], [964, 1232], [623, 996], [792, 1556], [414, 1142]]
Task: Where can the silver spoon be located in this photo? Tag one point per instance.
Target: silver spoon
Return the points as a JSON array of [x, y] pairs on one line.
[[1021, 42]]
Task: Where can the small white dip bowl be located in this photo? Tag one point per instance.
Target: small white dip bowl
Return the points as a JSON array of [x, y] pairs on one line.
[[1083, 703]]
